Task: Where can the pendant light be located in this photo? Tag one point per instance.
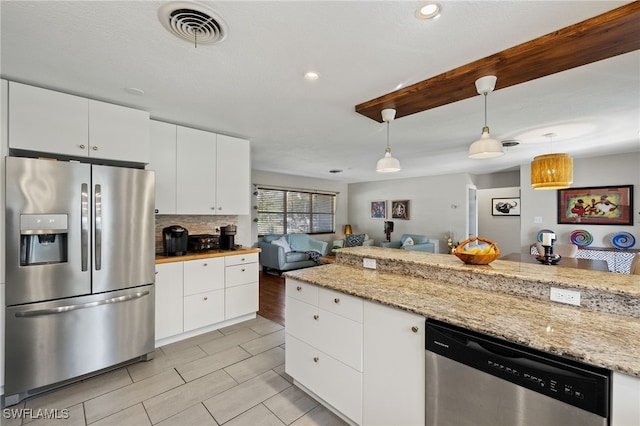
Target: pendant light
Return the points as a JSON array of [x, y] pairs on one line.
[[388, 164], [486, 146], [552, 171]]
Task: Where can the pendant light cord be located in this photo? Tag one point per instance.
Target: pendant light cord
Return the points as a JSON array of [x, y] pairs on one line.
[[485, 109], [387, 135]]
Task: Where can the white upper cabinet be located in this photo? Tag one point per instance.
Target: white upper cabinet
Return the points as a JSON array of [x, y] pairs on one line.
[[233, 175], [118, 133], [47, 121], [163, 162], [196, 171]]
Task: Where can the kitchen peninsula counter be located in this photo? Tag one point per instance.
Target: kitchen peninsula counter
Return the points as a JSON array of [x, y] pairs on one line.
[[160, 258], [505, 299]]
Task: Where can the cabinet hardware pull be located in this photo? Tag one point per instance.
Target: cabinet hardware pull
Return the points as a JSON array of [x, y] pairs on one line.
[[315, 317], [156, 272], [414, 329], [316, 359], [336, 300], [82, 146], [205, 298], [205, 264], [95, 148], [213, 208], [219, 208], [243, 269], [157, 211], [242, 260], [299, 288]]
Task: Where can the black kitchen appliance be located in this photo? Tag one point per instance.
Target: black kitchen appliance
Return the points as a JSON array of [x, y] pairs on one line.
[[203, 242], [228, 237], [175, 240]]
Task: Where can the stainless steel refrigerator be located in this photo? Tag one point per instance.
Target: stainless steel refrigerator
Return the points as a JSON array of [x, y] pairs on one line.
[[80, 250]]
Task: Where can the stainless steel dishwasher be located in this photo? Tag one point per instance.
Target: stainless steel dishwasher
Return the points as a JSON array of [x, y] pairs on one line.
[[474, 379]]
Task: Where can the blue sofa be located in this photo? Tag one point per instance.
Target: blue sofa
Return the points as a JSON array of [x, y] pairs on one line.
[[420, 243], [280, 259]]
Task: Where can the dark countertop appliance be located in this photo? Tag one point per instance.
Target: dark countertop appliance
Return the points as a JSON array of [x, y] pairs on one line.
[[175, 240], [228, 237], [203, 242]]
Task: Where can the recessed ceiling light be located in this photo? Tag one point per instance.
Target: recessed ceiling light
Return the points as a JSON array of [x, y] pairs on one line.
[[311, 75], [428, 11], [134, 91]]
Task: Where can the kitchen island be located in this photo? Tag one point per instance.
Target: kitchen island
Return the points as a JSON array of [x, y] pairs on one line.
[[508, 300]]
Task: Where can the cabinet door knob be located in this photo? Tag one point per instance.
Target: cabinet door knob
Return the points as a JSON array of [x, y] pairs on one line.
[[157, 211], [299, 288], [243, 269], [95, 148], [213, 208], [205, 264], [219, 208], [205, 298], [414, 329], [156, 272], [336, 300], [242, 260], [316, 359], [315, 317], [82, 146]]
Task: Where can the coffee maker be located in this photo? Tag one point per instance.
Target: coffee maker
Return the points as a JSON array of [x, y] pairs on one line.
[[227, 237], [175, 240]]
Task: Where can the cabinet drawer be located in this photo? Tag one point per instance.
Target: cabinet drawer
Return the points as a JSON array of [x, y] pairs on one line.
[[331, 380], [241, 274], [341, 304], [241, 258], [302, 291], [203, 309], [335, 335], [240, 300], [203, 275]]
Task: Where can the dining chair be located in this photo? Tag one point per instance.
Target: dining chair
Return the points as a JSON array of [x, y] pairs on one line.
[[635, 265]]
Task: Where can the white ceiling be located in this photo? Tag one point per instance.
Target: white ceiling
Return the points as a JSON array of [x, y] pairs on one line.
[[251, 85]]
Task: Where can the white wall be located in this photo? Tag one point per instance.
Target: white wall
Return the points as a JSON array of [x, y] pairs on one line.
[[259, 177], [502, 230], [611, 170], [438, 205]]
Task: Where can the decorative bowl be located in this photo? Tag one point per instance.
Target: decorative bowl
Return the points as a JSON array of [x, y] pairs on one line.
[[477, 259]]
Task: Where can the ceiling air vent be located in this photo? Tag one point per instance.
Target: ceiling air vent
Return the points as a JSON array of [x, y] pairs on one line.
[[193, 22]]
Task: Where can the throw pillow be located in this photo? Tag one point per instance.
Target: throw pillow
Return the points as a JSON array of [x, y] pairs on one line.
[[353, 240], [408, 242], [282, 242]]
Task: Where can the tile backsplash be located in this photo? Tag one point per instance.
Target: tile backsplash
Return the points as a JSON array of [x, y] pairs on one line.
[[195, 224]]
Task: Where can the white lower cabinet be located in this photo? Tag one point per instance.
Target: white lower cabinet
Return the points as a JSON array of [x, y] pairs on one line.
[[203, 309], [241, 274], [625, 405], [169, 307], [394, 366], [324, 345], [202, 293]]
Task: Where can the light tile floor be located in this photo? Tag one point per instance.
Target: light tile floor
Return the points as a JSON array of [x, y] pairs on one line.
[[233, 376]]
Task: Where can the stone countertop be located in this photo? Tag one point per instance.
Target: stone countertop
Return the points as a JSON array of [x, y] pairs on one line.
[[603, 339], [205, 255]]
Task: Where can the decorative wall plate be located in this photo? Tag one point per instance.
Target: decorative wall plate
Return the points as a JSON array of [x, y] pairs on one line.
[[544, 231], [581, 238], [623, 240]]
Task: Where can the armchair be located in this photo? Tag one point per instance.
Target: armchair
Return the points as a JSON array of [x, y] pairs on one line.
[[354, 241], [420, 243], [285, 252]]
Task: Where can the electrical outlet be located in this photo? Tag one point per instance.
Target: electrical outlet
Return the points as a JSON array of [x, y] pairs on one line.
[[570, 297], [369, 263]]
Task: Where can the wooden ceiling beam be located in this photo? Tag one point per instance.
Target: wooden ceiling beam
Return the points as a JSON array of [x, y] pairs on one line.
[[604, 36]]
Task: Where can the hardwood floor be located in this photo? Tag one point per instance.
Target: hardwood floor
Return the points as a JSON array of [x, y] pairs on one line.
[[272, 297]]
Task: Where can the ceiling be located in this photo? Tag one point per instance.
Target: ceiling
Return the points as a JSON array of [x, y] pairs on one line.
[[251, 84]]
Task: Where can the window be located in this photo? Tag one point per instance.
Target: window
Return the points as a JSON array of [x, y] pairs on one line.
[[283, 211]]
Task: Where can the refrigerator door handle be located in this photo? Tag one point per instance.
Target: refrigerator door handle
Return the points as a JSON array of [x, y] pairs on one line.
[[69, 308], [84, 226], [98, 226]]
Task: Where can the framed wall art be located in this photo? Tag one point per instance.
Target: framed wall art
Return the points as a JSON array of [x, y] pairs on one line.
[[596, 205], [400, 209], [379, 209], [505, 206]]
